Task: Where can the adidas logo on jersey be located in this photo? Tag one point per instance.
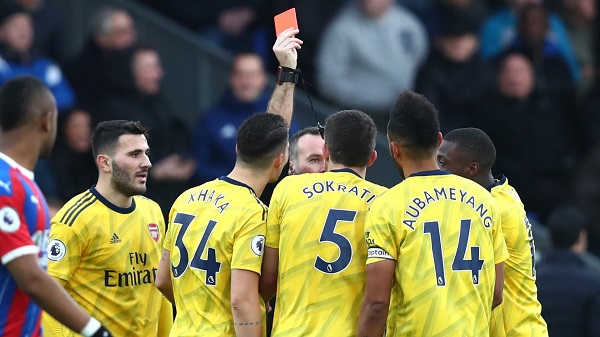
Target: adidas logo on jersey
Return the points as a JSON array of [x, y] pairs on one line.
[[115, 239]]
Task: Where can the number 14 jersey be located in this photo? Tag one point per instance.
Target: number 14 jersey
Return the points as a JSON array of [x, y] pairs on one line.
[[317, 221], [445, 234], [213, 228]]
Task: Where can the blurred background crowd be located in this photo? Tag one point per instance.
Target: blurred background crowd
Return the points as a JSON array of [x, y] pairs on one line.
[[526, 72]]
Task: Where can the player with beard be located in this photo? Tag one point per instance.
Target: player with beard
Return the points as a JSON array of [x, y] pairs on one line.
[[105, 243]]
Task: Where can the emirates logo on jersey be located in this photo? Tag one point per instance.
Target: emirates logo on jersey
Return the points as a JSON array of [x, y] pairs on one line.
[[154, 232]]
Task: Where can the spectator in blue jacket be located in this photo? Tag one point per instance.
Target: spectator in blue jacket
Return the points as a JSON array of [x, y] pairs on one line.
[[16, 57], [213, 145]]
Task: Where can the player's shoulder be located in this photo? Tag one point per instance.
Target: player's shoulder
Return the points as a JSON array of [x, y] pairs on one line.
[[73, 208], [145, 202]]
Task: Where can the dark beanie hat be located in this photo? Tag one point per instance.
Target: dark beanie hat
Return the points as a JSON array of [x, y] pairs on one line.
[[9, 8]]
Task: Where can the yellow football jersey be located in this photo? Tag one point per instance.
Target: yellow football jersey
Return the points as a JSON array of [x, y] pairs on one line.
[[213, 228], [520, 313], [106, 257], [317, 223], [444, 233]]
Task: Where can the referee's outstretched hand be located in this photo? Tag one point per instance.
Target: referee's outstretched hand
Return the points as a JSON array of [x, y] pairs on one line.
[[285, 48]]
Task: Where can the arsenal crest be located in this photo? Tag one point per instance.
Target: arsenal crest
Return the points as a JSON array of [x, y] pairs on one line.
[[154, 232]]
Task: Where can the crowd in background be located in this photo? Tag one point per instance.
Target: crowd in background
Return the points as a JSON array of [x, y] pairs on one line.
[[526, 72]]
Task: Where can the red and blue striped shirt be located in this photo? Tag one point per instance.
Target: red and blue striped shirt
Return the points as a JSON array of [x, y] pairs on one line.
[[24, 228]]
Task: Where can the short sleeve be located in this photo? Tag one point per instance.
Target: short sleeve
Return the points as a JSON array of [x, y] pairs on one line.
[[249, 242], [379, 236], [274, 218], [14, 231], [65, 249], [500, 249]]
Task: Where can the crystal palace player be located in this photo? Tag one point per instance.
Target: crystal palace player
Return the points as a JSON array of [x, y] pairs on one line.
[[28, 123]]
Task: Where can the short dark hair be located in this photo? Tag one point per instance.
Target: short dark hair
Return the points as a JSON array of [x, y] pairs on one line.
[[474, 143], [310, 130], [17, 97], [566, 223], [414, 124], [260, 138], [107, 133], [350, 137]]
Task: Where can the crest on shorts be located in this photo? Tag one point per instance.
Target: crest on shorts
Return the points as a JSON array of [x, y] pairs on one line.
[[154, 232]]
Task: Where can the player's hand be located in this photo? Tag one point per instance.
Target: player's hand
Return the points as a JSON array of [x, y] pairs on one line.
[[285, 48]]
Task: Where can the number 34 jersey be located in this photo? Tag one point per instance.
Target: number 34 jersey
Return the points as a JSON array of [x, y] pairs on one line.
[[213, 228], [317, 222], [445, 235]]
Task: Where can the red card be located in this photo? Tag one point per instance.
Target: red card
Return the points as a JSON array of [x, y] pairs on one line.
[[285, 20]]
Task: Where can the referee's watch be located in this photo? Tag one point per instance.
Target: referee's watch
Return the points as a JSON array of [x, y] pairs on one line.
[[285, 74]]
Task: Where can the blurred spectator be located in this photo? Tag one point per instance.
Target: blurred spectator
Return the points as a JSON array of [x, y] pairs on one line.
[[586, 189], [46, 25], [111, 29], [16, 38], [580, 17], [72, 160], [569, 290], [369, 54], [236, 25], [214, 140], [136, 76], [533, 134], [552, 73], [475, 10], [454, 77], [590, 118], [313, 17], [500, 29]]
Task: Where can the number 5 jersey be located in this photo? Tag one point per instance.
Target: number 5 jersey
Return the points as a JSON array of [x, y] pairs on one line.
[[317, 221]]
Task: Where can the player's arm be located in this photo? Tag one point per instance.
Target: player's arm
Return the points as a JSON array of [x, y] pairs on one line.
[[165, 320], [52, 297], [163, 276], [499, 286], [285, 49], [268, 276], [376, 303], [245, 304]]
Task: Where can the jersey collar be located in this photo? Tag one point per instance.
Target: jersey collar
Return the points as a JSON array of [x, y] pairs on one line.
[[347, 170], [235, 182], [13, 163], [500, 180], [430, 173], [122, 210]]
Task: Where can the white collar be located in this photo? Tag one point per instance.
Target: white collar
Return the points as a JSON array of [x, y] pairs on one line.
[[13, 163]]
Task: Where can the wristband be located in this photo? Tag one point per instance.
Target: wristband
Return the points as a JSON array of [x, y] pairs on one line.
[[285, 74], [90, 328]]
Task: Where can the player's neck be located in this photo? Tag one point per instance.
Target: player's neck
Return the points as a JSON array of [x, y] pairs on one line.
[[486, 180], [18, 148], [362, 171], [415, 166], [254, 179], [104, 187]]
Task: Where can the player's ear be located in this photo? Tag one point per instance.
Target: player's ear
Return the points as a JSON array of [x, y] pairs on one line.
[[395, 151], [104, 163], [473, 168], [279, 161], [325, 152], [372, 158], [46, 120]]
